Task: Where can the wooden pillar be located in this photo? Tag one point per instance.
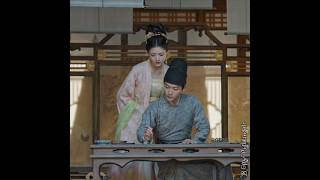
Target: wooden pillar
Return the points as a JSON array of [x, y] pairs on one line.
[[124, 44], [182, 40], [96, 97], [224, 94]]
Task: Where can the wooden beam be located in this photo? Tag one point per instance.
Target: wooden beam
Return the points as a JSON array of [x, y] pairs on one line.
[[238, 73], [105, 39], [236, 58], [90, 73], [204, 63], [170, 47], [119, 63], [237, 45], [73, 48], [170, 26], [76, 45], [89, 58], [134, 62], [213, 38]]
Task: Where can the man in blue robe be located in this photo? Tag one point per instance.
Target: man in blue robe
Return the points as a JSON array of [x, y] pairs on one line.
[[171, 119]]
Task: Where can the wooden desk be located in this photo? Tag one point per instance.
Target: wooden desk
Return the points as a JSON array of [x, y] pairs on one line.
[[121, 154]]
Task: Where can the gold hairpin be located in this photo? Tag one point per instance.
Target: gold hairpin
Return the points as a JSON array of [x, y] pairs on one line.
[[151, 34]]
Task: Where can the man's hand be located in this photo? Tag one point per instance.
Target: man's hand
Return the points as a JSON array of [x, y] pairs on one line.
[[187, 141], [148, 134]]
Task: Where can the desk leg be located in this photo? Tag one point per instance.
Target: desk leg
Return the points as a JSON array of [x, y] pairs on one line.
[[222, 172], [96, 174], [214, 172], [227, 170]]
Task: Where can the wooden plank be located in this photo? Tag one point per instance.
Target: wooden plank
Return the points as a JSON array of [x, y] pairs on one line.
[[82, 73], [133, 62], [233, 58], [172, 55], [237, 45], [238, 73], [170, 47], [76, 45]]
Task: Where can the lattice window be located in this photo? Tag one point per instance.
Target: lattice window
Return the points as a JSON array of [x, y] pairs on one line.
[[164, 16], [216, 20]]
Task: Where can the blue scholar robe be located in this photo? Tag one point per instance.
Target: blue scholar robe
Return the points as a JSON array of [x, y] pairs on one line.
[[172, 125]]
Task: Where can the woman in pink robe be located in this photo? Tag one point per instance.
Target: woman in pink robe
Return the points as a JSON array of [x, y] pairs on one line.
[[143, 84]]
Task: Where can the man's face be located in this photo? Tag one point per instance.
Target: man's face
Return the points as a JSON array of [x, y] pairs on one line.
[[172, 92]]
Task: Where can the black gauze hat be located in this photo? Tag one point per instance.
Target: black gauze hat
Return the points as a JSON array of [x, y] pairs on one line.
[[177, 72]]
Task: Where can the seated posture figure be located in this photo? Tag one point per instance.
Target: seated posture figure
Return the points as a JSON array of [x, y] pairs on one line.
[[170, 120]]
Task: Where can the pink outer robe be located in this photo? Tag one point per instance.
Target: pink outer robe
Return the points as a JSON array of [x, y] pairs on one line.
[[136, 87]]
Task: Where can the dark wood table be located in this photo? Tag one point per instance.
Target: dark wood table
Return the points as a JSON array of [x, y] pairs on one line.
[[122, 154]]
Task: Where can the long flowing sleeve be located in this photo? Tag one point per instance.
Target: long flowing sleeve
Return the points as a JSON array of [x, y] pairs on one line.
[[201, 123], [126, 91], [148, 120]]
